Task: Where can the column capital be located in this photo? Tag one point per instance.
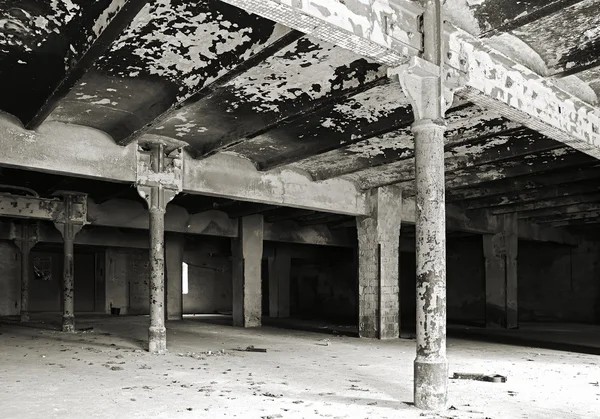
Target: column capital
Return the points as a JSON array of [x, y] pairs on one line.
[[420, 81], [24, 233], [73, 216], [159, 174]]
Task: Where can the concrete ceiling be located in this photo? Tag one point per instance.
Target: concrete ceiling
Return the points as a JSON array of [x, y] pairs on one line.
[[222, 80]]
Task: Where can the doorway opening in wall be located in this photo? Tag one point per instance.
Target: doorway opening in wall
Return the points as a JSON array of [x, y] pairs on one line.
[[184, 278]]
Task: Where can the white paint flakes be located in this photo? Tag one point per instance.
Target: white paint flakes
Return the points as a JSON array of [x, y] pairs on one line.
[[105, 18], [180, 42]]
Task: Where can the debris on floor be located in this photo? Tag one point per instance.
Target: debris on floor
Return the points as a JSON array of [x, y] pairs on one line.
[[479, 377], [323, 342], [251, 348]]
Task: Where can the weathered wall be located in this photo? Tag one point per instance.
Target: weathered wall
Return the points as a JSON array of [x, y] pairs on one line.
[[559, 283], [127, 280], [209, 275], [327, 288], [465, 280], [10, 274]]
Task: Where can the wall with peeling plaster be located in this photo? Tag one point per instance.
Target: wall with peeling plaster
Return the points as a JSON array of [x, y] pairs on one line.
[[10, 289], [559, 283]]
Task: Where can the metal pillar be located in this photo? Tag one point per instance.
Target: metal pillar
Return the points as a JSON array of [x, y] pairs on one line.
[[158, 181], [25, 237], [69, 229], [430, 88], [431, 366]]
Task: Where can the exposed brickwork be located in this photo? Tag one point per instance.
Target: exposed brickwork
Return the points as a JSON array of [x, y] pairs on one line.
[[378, 253]]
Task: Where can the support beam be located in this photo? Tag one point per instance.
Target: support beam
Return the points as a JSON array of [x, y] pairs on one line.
[[69, 226], [25, 236], [518, 143], [108, 28], [500, 252], [174, 248], [82, 152], [247, 250], [378, 265], [493, 80], [387, 31], [497, 83], [279, 282], [526, 183], [158, 181]]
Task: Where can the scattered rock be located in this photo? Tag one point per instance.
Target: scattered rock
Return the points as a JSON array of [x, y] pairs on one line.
[[115, 368]]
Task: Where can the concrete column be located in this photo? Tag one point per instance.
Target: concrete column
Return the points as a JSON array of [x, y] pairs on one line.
[[247, 251], [500, 252], [174, 247], [69, 230], [25, 239], [279, 282], [378, 265]]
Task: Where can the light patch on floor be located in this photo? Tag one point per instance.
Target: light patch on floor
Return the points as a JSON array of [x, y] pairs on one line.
[[105, 372]]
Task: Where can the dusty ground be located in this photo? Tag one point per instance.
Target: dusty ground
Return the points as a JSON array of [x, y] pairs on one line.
[[104, 373]]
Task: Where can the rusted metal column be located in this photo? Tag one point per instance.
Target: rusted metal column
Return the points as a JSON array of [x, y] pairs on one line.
[[159, 180], [157, 333], [69, 229], [430, 89], [431, 366], [25, 237]]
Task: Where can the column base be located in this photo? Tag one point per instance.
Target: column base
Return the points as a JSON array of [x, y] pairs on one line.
[[157, 340], [431, 384], [68, 324], [24, 317]]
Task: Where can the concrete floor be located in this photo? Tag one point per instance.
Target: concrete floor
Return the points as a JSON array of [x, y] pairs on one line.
[[104, 373]]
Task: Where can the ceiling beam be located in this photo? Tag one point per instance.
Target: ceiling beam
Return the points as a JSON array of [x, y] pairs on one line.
[[496, 189], [492, 79], [387, 31], [83, 152], [465, 124], [110, 24], [483, 222], [513, 145], [544, 162], [560, 218], [566, 210], [204, 91], [548, 203], [512, 16]]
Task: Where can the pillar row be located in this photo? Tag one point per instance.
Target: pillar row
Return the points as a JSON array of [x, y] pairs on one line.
[[247, 250], [500, 252], [378, 265]]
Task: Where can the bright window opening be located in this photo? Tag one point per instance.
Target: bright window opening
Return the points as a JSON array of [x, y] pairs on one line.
[[184, 278]]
